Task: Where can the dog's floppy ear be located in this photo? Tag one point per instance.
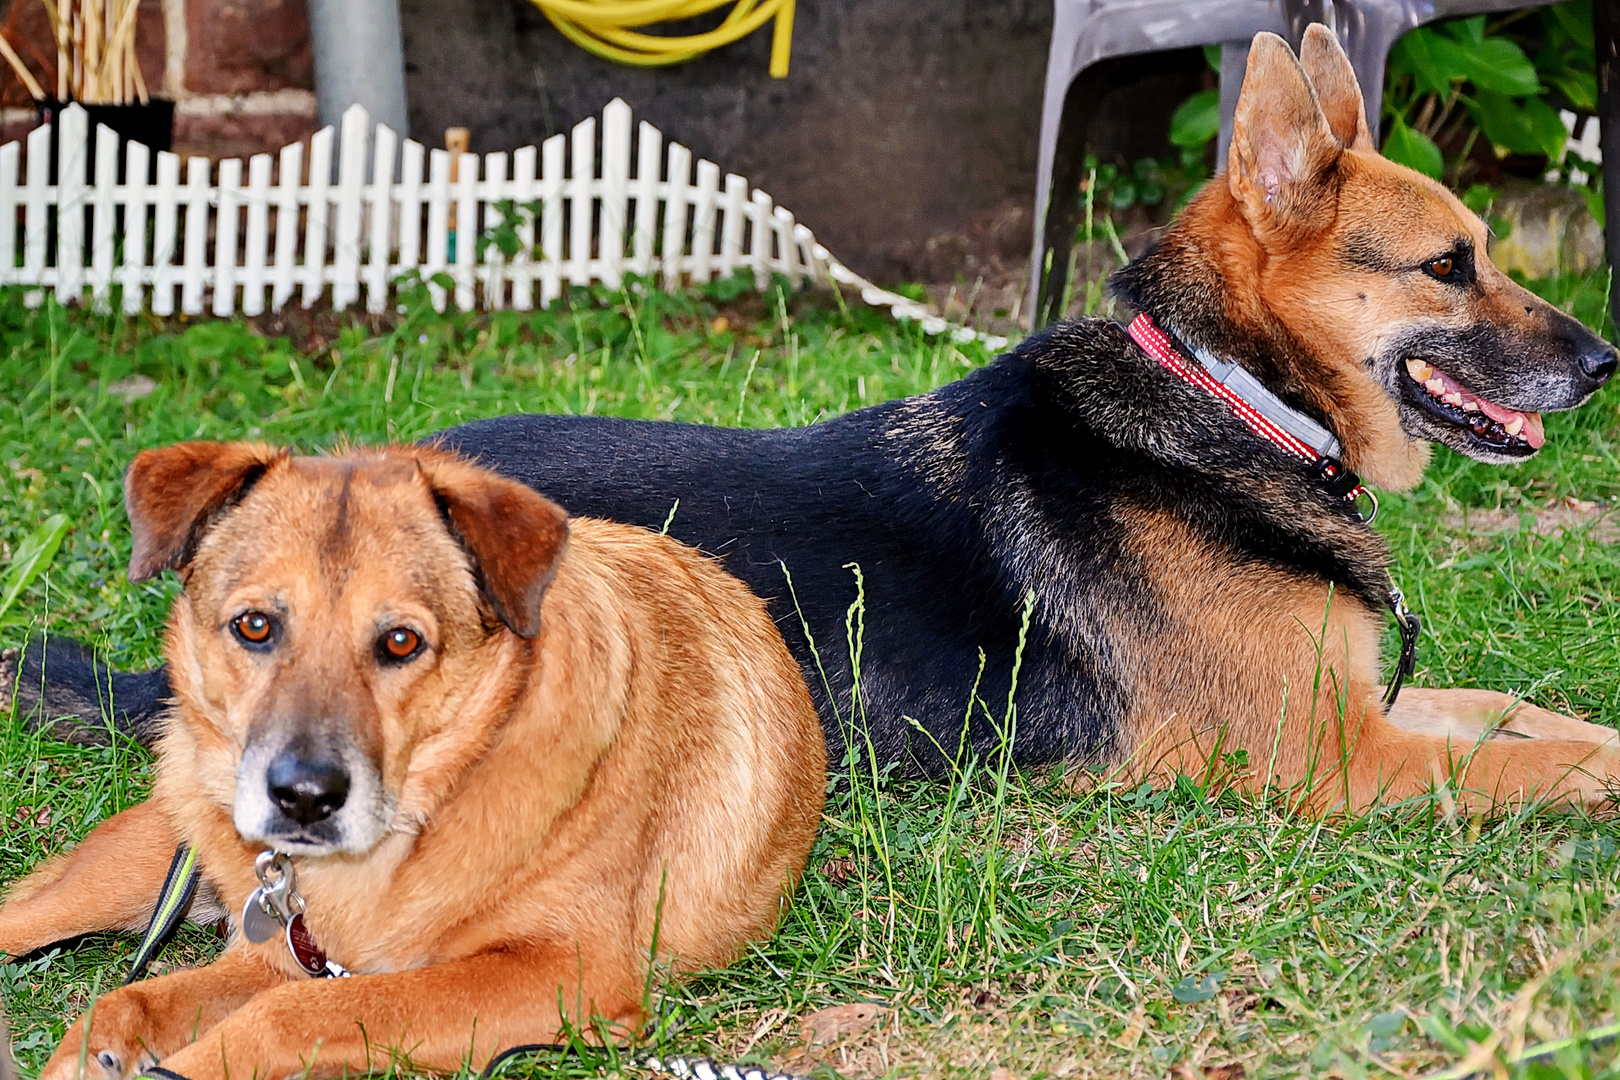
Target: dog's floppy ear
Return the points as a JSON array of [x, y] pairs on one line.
[[1281, 144], [1337, 91], [515, 535], [172, 493]]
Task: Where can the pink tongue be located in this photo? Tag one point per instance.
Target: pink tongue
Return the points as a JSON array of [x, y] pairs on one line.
[[1534, 433]]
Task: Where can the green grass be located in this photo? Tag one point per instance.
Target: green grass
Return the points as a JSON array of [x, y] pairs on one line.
[[1003, 921]]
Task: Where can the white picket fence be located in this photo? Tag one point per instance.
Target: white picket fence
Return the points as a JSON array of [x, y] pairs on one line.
[[582, 213], [1586, 151]]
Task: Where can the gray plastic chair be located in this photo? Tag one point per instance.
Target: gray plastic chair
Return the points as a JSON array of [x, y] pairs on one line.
[[1086, 32]]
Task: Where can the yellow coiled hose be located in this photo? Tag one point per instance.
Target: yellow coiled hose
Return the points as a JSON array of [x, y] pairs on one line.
[[607, 28]]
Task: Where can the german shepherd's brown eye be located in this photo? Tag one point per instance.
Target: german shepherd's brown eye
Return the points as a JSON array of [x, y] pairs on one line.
[[254, 628], [399, 644], [1443, 266]]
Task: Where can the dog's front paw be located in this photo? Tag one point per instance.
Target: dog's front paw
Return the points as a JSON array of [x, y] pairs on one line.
[[108, 1063], [105, 1064], [115, 1049]]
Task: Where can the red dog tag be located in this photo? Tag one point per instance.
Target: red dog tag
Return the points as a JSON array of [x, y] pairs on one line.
[[310, 956]]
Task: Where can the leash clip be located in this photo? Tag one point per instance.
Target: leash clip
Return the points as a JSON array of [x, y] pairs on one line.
[[276, 908], [1356, 496], [276, 902], [1410, 627]]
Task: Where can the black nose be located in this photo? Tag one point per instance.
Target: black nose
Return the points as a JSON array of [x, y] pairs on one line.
[[307, 791], [1599, 364]]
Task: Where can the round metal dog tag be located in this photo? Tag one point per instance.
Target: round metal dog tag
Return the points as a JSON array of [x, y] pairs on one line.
[[258, 923]]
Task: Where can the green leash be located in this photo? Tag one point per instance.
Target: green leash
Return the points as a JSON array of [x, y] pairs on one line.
[[178, 889]]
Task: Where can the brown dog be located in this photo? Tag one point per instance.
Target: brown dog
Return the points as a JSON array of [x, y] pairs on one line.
[[509, 754]]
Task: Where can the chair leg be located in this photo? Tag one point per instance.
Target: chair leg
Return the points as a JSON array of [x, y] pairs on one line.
[[1234, 64], [1606, 24], [1368, 33], [1054, 267]]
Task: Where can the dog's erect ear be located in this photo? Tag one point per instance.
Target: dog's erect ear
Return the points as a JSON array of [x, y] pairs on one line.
[[172, 493], [1281, 144], [1337, 91], [515, 536]]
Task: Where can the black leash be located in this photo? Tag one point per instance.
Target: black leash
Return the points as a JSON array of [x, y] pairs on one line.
[[178, 889]]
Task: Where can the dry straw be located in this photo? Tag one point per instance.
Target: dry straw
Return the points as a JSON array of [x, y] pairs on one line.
[[95, 53]]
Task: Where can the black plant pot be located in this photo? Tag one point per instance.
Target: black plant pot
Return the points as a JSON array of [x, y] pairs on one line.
[[151, 124]]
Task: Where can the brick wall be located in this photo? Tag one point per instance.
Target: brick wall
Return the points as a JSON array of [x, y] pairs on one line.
[[239, 71]]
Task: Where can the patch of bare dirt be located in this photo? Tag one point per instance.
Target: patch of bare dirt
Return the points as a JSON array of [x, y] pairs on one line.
[[1563, 515], [978, 275], [312, 329]]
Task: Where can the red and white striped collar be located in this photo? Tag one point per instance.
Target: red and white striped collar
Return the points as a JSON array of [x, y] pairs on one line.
[[1264, 412]]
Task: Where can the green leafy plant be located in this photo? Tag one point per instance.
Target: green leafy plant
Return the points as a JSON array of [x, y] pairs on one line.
[[1412, 148], [1109, 190], [1116, 188], [1196, 121], [1451, 83], [503, 236], [31, 558]]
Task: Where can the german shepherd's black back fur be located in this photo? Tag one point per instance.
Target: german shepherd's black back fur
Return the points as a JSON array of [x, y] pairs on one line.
[[954, 505]]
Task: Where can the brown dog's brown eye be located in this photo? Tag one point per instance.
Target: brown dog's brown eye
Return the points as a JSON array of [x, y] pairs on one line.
[[254, 627], [1442, 266], [400, 643]]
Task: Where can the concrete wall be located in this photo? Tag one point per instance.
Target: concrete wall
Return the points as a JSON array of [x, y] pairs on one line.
[[904, 135]]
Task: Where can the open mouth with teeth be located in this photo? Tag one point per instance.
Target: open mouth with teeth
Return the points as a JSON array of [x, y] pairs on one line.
[[1495, 426]]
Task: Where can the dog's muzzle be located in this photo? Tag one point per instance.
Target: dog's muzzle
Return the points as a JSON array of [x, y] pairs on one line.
[[309, 799]]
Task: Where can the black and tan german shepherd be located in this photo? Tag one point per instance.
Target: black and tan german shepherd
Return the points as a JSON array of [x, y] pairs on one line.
[[1197, 589]]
